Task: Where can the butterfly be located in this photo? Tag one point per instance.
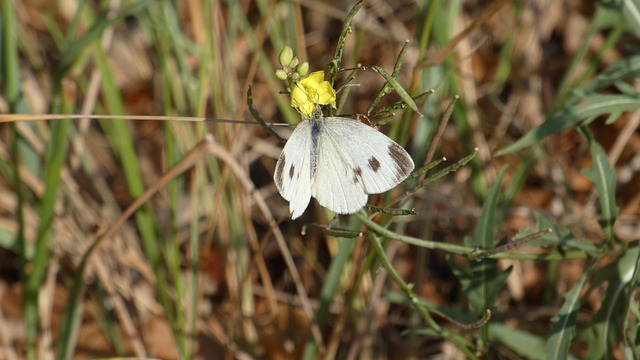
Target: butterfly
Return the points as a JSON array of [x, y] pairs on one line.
[[338, 161]]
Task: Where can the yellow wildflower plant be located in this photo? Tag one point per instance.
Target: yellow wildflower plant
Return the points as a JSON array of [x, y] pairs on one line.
[[292, 68], [310, 91]]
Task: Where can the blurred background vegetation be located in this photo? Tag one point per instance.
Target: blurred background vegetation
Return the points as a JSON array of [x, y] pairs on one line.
[[153, 239]]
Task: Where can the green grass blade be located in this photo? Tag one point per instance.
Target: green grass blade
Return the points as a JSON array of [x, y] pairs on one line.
[[516, 181], [565, 321], [40, 263], [482, 280], [92, 36], [386, 88], [442, 173], [487, 226], [604, 177], [334, 65], [11, 86], [603, 333], [330, 289], [590, 108], [398, 88], [622, 69], [523, 343], [121, 138], [563, 238], [72, 315]]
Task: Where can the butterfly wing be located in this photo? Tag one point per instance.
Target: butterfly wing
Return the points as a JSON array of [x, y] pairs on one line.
[[355, 160], [293, 170], [333, 184]]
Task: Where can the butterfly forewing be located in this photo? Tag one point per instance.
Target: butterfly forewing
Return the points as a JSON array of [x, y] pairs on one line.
[[293, 170]]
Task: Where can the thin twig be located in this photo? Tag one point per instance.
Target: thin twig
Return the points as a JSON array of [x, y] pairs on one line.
[[508, 246], [443, 125], [11, 118]]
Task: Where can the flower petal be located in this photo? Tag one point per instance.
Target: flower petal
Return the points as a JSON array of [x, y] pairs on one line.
[[326, 94], [310, 91], [301, 101]]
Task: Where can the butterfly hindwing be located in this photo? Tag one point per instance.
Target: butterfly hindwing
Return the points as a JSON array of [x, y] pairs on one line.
[[381, 164], [293, 170], [355, 160]]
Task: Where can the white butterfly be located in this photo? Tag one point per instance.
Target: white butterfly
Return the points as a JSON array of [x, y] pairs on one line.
[[338, 161]]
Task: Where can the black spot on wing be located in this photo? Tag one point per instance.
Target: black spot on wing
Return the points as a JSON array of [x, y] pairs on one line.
[[404, 164], [280, 170], [357, 173], [292, 171], [374, 164]]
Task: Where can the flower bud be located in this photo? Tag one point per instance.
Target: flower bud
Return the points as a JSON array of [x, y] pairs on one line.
[[281, 74], [303, 68], [286, 56]]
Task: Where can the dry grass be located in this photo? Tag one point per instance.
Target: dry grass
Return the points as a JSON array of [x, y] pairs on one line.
[[195, 253]]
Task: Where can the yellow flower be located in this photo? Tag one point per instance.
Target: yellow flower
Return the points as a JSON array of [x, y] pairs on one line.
[[311, 91]]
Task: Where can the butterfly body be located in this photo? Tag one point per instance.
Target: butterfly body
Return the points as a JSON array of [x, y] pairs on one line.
[[338, 161]]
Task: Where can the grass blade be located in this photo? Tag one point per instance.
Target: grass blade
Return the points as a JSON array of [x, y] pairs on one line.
[[603, 332], [604, 177], [398, 88], [565, 321], [330, 289], [590, 108]]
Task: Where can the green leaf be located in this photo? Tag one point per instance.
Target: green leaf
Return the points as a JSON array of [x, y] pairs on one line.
[[604, 177], [631, 347], [605, 331], [391, 211], [346, 30], [611, 13], [593, 105], [583, 113], [343, 233], [525, 344], [442, 173], [618, 71], [486, 227], [426, 168], [565, 321], [562, 237], [386, 88], [398, 88], [481, 281], [631, 13]]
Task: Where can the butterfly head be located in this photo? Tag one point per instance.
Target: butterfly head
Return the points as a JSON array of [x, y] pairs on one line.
[[317, 114]]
